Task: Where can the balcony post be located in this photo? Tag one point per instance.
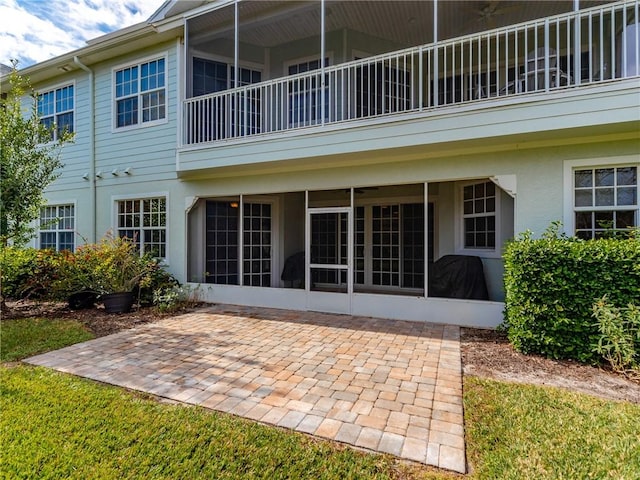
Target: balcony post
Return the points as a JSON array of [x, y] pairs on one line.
[[576, 43], [435, 53], [236, 41], [322, 65], [547, 73]]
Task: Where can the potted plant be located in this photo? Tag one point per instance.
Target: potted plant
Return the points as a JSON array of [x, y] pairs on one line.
[[117, 271], [74, 279]]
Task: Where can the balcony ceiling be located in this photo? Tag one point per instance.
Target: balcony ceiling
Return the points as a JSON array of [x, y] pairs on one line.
[[267, 23]]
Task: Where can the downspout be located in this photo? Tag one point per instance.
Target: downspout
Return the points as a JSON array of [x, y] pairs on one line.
[[92, 149]]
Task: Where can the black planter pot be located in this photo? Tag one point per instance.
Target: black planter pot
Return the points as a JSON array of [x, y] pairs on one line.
[[119, 302], [82, 300]]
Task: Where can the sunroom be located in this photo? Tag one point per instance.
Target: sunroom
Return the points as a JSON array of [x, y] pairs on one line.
[[255, 68], [407, 251]]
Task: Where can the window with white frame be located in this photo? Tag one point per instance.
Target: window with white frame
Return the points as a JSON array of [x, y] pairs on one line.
[[479, 216], [55, 109], [145, 222], [57, 226], [305, 94], [140, 93], [605, 200]]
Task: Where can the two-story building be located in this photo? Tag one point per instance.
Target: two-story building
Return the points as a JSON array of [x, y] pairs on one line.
[[358, 157]]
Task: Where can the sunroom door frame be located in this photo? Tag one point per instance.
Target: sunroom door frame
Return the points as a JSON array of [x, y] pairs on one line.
[[333, 302]]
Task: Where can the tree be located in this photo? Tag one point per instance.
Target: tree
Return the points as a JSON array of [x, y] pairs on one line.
[[29, 161]]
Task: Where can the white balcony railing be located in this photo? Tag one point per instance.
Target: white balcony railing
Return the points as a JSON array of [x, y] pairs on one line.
[[564, 51]]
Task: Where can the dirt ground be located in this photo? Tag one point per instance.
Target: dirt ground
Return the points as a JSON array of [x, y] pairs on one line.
[[485, 353]]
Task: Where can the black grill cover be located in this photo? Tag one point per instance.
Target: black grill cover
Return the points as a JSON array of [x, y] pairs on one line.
[[458, 276]]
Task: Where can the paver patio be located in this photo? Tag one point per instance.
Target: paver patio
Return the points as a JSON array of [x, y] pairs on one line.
[[384, 385]]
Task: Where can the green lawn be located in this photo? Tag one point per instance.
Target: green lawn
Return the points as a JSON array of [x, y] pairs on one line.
[[25, 337], [525, 431], [54, 425]]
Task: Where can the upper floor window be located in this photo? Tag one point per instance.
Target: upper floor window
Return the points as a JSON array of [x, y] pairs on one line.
[[605, 200], [55, 109], [145, 222], [305, 94], [140, 93], [57, 224], [479, 216]]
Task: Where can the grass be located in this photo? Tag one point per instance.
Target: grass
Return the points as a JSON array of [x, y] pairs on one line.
[[59, 426], [525, 431], [25, 337]]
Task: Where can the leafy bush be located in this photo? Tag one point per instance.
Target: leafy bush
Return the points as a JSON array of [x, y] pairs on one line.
[[551, 284], [172, 298], [109, 266], [116, 265], [619, 328], [27, 272], [157, 279]]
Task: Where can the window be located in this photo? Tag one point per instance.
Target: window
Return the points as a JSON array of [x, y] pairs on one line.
[[145, 221], [394, 234], [222, 243], [257, 244], [479, 216], [382, 87], [55, 109], [305, 95], [210, 76], [57, 224], [229, 116], [140, 93], [605, 200]]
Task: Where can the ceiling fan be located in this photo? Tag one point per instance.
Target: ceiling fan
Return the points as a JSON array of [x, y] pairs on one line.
[[488, 14], [360, 190]]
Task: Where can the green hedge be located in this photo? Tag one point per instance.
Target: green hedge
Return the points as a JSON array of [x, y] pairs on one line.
[[552, 283]]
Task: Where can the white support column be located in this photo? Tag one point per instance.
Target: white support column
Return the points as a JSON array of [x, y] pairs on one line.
[[322, 55], [350, 243], [236, 44], [435, 53], [241, 241], [426, 240], [547, 73], [307, 246], [576, 43]]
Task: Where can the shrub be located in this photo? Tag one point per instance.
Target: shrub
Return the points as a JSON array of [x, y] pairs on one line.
[[113, 265], [157, 278], [619, 329], [172, 298], [551, 284], [27, 272]]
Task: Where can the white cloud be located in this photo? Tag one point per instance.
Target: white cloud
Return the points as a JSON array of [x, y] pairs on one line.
[[32, 31]]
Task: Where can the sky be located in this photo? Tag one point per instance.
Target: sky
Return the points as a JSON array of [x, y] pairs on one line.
[[32, 31]]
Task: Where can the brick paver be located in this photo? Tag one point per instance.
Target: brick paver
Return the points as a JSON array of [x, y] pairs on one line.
[[384, 385]]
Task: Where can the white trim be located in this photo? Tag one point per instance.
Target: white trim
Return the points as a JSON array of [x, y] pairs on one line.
[[567, 182], [140, 124], [496, 251]]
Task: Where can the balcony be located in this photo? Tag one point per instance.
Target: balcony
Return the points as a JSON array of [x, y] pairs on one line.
[[512, 62]]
